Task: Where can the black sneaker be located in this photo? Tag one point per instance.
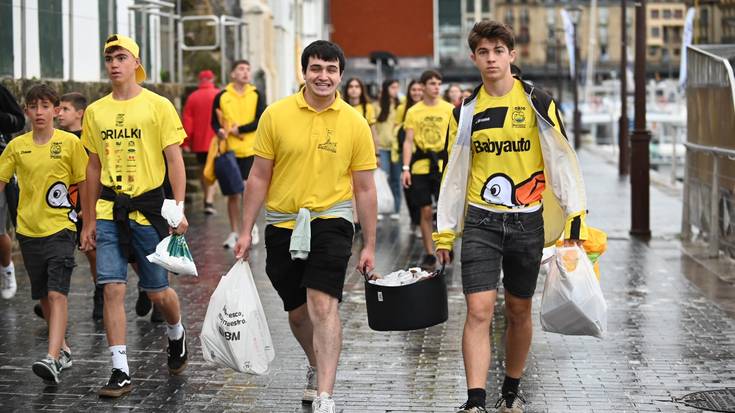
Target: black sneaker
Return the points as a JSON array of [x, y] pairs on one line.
[[99, 301], [38, 310], [143, 305], [209, 209], [48, 369], [177, 355], [470, 408], [118, 384], [156, 315], [511, 403], [428, 263]]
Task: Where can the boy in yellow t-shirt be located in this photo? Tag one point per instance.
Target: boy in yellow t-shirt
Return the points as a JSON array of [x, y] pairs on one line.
[[133, 137], [424, 155], [236, 111], [47, 162]]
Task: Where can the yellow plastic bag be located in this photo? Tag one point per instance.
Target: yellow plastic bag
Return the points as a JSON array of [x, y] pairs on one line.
[[213, 152], [594, 246]]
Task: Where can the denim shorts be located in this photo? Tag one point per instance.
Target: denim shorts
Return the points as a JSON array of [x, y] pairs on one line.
[[511, 241], [112, 264]]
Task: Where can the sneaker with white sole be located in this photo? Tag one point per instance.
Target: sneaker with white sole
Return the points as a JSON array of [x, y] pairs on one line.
[[118, 384], [255, 235], [48, 369], [511, 403], [64, 359], [323, 404], [9, 284], [395, 216], [230, 241], [310, 389], [473, 409], [178, 355]]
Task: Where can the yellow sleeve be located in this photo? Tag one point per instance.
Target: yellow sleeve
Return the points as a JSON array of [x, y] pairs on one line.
[[172, 131], [79, 161], [87, 134], [452, 133], [444, 240], [263, 146], [410, 122], [7, 163], [363, 149], [370, 114], [576, 227]]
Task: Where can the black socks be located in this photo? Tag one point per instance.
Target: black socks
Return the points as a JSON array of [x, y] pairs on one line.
[[510, 385], [476, 398]]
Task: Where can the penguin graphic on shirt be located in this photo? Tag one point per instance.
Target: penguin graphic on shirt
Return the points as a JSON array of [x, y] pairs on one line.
[[499, 189]]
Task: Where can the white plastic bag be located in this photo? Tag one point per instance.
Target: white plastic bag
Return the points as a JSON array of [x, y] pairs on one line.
[[385, 196], [235, 331], [173, 254], [572, 302]]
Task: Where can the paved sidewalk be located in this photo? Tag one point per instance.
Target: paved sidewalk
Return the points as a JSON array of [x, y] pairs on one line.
[[666, 337]]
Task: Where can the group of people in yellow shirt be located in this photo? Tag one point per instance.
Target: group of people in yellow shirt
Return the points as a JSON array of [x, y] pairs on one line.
[[309, 159]]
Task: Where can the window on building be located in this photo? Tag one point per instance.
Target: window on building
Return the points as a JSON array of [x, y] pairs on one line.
[[107, 23], [486, 6], [509, 18], [6, 38], [677, 51], [667, 13], [678, 13], [470, 6], [655, 32], [50, 39], [652, 51], [654, 13]]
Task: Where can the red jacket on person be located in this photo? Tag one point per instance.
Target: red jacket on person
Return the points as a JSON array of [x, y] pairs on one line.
[[198, 117]]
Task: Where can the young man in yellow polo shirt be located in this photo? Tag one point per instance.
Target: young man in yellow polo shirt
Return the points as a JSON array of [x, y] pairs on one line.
[[313, 153], [133, 137], [508, 138], [425, 154], [235, 114]]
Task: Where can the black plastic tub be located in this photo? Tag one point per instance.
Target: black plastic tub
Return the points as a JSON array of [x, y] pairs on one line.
[[407, 307]]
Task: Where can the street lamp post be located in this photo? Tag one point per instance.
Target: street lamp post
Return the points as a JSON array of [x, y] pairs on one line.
[[623, 168], [575, 13], [639, 157]]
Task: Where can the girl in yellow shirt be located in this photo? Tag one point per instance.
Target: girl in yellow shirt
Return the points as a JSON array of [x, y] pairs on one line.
[[385, 126]]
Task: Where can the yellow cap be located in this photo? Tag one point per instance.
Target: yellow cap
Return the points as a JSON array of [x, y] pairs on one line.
[[128, 44]]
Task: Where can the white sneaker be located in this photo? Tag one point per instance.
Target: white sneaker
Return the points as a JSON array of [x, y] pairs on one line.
[[380, 217], [256, 235], [395, 216], [323, 404], [64, 360], [310, 389], [230, 241], [9, 284]]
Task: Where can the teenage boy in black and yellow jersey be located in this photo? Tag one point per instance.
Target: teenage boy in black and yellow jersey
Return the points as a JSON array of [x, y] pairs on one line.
[[47, 162], [425, 154], [508, 141], [133, 137], [313, 154], [240, 106]]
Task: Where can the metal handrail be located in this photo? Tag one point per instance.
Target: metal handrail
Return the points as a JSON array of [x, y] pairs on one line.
[[715, 150]]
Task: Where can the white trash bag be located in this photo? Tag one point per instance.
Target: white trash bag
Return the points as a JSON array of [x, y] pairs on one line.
[[572, 301], [173, 254], [235, 331], [385, 196]]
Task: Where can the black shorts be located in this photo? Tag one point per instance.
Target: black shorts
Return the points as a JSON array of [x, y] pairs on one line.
[[424, 189], [49, 262], [323, 270], [245, 164], [201, 157], [513, 241]]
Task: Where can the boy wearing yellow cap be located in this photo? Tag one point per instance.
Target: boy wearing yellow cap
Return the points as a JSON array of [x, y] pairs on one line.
[[132, 136]]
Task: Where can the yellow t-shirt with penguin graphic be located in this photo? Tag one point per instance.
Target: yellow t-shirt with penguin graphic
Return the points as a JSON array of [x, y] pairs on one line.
[[429, 124], [507, 162], [129, 137], [45, 173], [313, 153], [239, 108]]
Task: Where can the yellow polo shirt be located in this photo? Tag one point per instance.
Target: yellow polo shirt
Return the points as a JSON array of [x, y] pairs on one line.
[[429, 125], [313, 153]]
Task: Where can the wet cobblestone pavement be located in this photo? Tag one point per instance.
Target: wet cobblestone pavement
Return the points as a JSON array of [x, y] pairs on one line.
[[666, 337]]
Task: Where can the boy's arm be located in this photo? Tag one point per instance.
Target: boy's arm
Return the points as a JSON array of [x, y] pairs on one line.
[[177, 178], [2, 186], [259, 109], [407, 153]]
